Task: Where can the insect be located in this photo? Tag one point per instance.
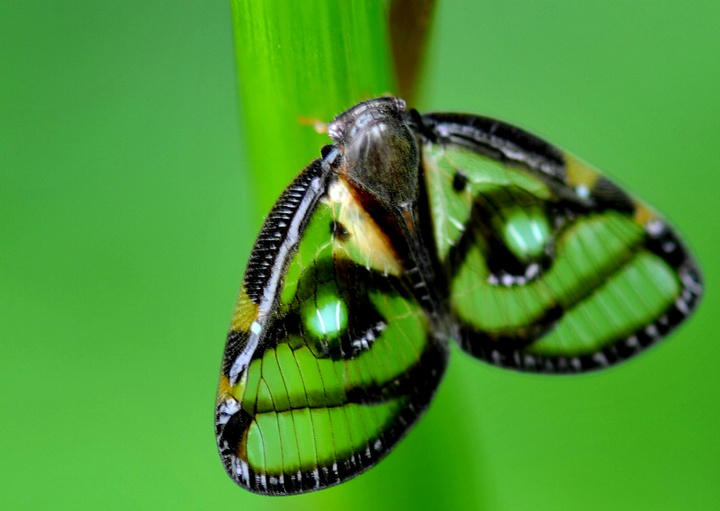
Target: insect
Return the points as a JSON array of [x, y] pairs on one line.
[[412, 232]]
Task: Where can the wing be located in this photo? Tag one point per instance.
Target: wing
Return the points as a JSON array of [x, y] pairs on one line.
[[551, 267], [329, 359]]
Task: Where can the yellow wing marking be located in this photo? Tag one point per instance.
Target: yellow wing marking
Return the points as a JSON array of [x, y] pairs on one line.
[[245, 313], [367, 243]]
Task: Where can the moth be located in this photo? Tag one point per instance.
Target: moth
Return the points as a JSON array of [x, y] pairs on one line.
[[409, 233]]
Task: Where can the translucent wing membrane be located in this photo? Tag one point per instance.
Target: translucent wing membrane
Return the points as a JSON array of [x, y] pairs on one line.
[[551, 266], [330, 359]]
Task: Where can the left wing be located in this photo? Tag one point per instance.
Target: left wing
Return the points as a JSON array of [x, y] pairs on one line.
[[330, 359]]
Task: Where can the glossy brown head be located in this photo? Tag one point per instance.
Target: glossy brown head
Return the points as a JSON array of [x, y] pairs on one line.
[[380, 154]]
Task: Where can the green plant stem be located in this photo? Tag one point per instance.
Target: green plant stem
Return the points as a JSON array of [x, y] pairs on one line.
[[299, 63]]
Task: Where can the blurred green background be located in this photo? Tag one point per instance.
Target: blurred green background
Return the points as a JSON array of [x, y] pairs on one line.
[[126, 218]]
